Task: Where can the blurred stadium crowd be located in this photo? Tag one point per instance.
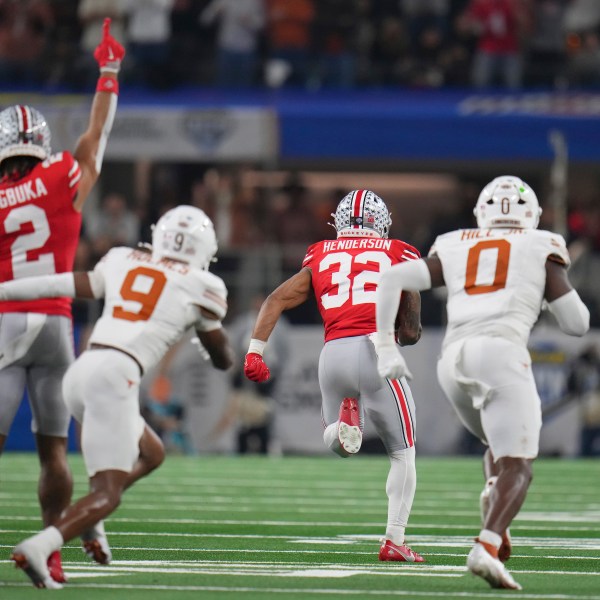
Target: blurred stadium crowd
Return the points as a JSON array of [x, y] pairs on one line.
[[265, 228], [312, 44]]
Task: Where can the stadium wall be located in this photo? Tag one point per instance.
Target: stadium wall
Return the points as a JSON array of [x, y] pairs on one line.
[[205, 395]]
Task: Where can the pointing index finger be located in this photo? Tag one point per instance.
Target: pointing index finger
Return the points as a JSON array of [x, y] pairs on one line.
[[106, 28]]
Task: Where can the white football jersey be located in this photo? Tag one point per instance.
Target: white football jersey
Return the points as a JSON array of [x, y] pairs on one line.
[[149, 304], [496, 279]]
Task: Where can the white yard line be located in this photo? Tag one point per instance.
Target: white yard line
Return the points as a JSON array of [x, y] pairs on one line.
[[298, 523], [321, 591]]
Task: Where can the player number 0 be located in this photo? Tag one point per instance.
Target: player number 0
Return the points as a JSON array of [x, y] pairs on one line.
[[500, 268]]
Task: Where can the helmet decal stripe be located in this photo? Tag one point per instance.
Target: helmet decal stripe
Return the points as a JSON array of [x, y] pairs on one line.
[[24, 122], [362, 213], [358, 205]]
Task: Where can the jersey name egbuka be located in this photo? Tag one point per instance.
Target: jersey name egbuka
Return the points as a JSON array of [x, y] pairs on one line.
[[24, 192], [349, 244]]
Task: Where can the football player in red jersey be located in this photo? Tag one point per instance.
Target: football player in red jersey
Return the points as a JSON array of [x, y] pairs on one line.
[[41, 198], [343, 275]]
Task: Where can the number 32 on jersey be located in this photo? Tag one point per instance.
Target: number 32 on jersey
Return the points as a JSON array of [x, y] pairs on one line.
[[354, 284]]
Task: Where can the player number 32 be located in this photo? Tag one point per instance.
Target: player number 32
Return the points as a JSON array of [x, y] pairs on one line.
[[353, 289]]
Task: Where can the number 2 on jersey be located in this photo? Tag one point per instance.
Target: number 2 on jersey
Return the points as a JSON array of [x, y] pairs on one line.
[[146, 299], [22, 265], [354, 290], [500, 267]]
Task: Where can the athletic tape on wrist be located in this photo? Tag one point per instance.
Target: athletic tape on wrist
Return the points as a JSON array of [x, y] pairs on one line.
[[107, 84], [256, 346]]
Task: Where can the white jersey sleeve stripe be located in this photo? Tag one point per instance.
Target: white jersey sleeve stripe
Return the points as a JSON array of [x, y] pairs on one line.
[[75, 179], [74, 169], [409, 255]]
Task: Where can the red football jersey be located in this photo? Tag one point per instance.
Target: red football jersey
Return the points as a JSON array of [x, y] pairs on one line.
[[39, 228], [345, 273]]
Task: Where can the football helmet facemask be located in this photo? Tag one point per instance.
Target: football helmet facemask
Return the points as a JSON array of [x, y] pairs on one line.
[[185, 233], [507, 201], [362, 213], [23, 132]]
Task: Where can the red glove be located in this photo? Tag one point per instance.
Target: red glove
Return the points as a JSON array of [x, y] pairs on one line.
[[255, 369], [109, 53]]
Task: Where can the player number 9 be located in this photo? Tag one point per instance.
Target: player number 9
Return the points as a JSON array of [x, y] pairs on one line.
[[146, 299]]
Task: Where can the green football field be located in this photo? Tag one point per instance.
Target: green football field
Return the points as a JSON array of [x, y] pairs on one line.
[[308, 528]]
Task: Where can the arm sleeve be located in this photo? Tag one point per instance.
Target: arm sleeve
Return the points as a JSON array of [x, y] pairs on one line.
[[571, 313], [46, 286], [411, 275], [106, 128]]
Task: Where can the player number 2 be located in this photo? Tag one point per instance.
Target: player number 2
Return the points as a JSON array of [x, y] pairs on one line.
[[356, 289], [476, 266], [144, 286], [22, 251]]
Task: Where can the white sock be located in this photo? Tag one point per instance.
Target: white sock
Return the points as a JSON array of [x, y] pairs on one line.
[[490, 537], [400, 488], [48, 540]]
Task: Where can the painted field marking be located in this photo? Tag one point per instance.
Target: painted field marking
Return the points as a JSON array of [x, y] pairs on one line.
[[279, 523], [320, 591]]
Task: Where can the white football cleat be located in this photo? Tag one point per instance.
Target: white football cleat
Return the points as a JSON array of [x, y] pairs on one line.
[[30, 559], [505, 549], [95, 544], [481, 563]]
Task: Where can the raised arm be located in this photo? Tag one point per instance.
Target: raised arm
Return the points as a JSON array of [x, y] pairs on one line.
[[289, 294], [90, 148]]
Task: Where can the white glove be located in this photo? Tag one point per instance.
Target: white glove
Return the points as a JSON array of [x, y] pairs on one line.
[[390, 363]]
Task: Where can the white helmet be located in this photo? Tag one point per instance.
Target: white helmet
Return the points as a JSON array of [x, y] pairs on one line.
[[23, 132], [507, 201], [185, 233], [362, 213]]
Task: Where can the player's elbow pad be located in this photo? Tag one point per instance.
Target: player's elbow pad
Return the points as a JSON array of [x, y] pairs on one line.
[[571, 313]]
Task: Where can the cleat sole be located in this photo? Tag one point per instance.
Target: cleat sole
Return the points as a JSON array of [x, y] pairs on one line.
[[350, 438], [21, 563], [94, 550]]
